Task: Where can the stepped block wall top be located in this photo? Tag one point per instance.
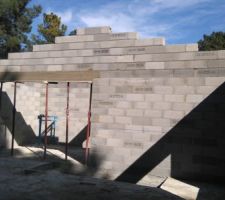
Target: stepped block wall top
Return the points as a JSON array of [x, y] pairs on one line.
[[94, 30], [156, 108]]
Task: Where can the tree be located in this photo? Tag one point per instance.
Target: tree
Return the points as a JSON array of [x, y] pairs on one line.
[[15, 23], [74, 32], [49, 29], [215, 41]]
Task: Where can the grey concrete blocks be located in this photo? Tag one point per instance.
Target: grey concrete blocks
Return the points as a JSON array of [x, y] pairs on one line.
[[134, 112], [144, 90], [76, 38], [150, 42], [173, 114], [94, 30], [154, 97], [155, 65], [214, 81], [174, 98], [194, 98]]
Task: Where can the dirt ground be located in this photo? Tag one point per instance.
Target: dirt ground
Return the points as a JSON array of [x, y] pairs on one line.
[[27, 177], [19, 182]]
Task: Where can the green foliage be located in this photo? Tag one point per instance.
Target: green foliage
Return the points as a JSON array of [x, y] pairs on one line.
[[74, 32], [49, 29], [15, 23], [215, 41]]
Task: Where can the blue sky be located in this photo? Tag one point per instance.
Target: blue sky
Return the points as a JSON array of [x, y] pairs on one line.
[[179, 21]]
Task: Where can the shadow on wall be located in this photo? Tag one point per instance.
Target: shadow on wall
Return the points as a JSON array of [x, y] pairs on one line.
[[79, 138], [196, 145], [23, 132], [77, 152], [3, 136]]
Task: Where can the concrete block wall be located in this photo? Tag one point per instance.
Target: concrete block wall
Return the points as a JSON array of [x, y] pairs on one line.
[[30, 102], [27, 109], [78, 104], [133, 116], [157, 108]]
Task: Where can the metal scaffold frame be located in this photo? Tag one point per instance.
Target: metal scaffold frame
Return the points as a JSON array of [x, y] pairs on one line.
[[46, 116]]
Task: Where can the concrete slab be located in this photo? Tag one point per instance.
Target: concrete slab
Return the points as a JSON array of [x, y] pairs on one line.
[[180, 189]]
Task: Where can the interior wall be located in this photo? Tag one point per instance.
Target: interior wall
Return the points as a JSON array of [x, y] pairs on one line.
[[30, 102]]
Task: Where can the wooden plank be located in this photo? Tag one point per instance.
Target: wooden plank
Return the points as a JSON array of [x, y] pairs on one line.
[[49, 76]]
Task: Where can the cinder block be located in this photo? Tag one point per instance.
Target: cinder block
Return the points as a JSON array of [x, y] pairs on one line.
[[155, 49], [162, 105], [174, 81], [95, 59], [155, 129], [153, 113], [144, 57], [214, 81], [131, 144], [187, 107], [101, 81], [98, 141], [192, 47], [169, 114], [134, 112], [153, 97], [163, 73], [54, 67], [13, 68], [123, 36], [134, 128], [116, 111], [135, 97], [184, 89], [106, 119], [4, 62], [123, 104], [76, 38], [141, 137], [184, 72], [44, 47], [123, 120], [163, 89], [150, 42], [116, 51], [142, 105], [186, 64], [162, 122], [154, 65], [99, 111], [195, 81], [205, 90], [195, 98], [3, 68], [141, 121], [100, 66], [93, 30], [206, 55], [127, 58], [104, 89], [175, 48], [116, 43], [174, 98], [114, 142]]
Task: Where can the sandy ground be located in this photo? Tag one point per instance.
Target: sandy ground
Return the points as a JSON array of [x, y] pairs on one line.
[[26, 176], [19, 182]]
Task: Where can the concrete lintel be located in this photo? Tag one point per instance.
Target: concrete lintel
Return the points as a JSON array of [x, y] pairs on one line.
[[49, 76]]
